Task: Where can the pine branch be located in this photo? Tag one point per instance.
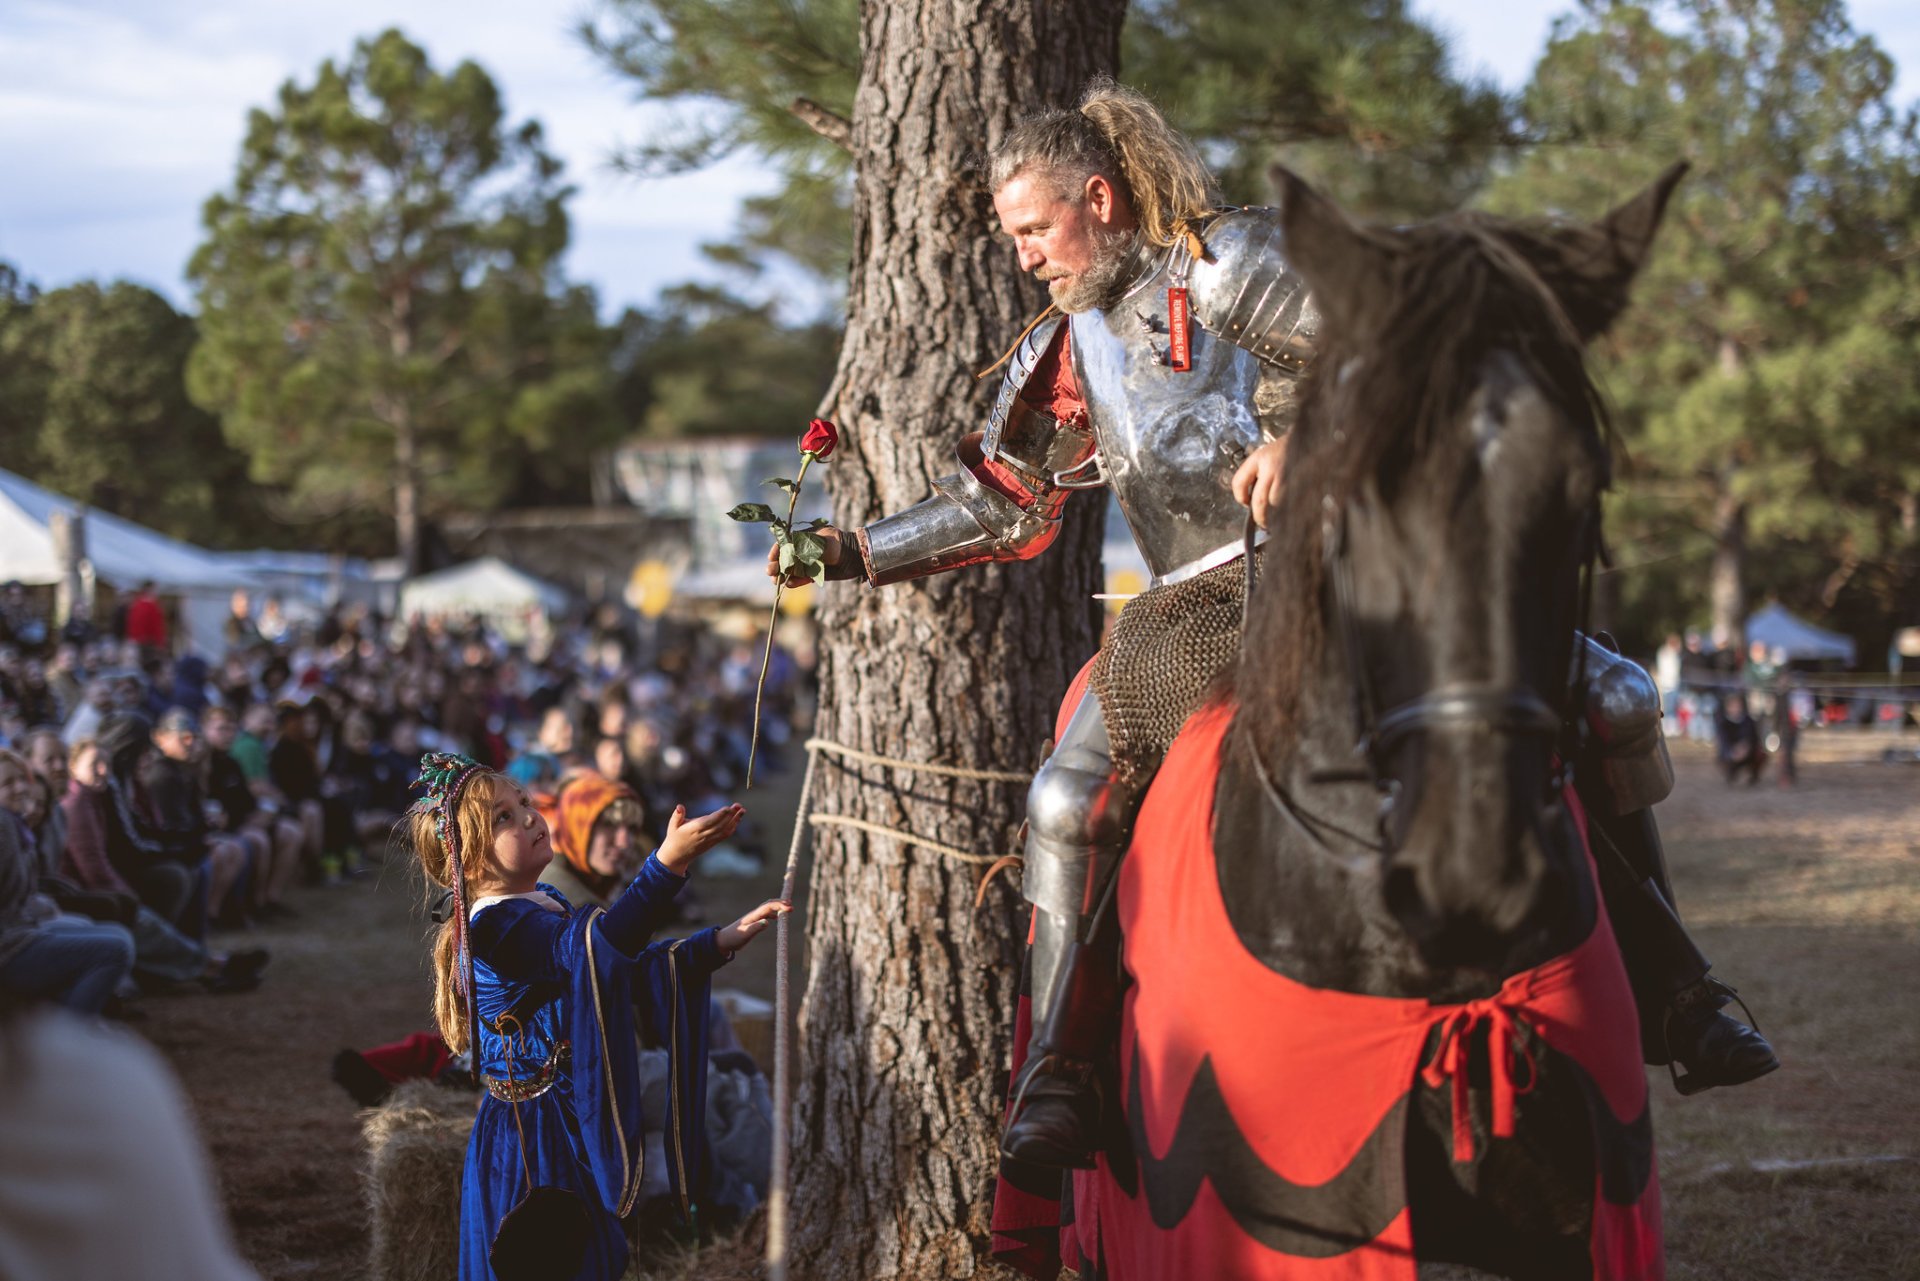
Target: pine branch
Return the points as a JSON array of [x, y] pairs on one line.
[[832, 126]]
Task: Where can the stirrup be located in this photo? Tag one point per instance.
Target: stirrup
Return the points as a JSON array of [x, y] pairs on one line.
[[1687, 1001]]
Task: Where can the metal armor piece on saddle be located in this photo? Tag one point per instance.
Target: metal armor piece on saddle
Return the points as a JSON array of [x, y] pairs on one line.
[[1624, 738], [1171, 440]]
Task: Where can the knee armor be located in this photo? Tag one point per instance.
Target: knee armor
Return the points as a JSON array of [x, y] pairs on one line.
[[1077, 823], [1622, 739]]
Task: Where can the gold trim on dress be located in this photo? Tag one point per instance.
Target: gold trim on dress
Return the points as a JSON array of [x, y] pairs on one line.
[[673, 1076], [520, 1089], [630, 1179]]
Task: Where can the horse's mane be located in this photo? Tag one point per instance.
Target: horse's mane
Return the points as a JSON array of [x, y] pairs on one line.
[[1464, 286]]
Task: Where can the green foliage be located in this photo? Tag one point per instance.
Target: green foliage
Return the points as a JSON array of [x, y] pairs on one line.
[[1357, 95], [383, 322], [730, 72], [705, 363], [93, 404], [1772, 356], [1360, 96]]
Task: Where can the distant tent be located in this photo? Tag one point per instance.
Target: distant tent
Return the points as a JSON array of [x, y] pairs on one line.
[[123, 554], [488, 586], [1777, 628]]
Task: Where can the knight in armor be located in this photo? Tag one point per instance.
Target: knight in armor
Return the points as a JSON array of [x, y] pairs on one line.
[[1167, 372]]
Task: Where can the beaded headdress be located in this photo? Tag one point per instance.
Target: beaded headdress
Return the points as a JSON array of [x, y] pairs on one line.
[[443, 777]]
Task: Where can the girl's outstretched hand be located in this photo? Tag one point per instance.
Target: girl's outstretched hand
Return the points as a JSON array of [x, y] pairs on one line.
[[751, 926], [687, 839]]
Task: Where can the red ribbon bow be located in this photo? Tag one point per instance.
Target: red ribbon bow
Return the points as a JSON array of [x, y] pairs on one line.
[[1451, 1057]]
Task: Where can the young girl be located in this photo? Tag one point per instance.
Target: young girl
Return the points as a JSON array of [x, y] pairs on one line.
[[553, 994]]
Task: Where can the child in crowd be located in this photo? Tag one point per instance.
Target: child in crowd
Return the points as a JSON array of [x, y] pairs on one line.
[[552, 996]]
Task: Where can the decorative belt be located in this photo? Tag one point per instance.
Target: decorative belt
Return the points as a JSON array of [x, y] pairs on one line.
[[520, 1089]]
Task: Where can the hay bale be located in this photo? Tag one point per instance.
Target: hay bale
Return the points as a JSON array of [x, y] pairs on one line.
[[416, 1150]]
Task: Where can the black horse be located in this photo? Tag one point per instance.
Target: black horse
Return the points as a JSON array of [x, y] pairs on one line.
[[1377, 1015]]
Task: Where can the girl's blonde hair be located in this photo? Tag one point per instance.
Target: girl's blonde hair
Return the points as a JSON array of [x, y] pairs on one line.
[[473, 829], [1118, 133]]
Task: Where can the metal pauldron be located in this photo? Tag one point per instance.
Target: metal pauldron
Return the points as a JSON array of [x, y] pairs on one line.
[[1245, 292], [1623, 739]]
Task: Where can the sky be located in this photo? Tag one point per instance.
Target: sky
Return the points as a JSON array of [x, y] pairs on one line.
[[118, 118]]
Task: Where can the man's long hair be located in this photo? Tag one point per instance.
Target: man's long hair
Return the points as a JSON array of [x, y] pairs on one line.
[[1117, 133]]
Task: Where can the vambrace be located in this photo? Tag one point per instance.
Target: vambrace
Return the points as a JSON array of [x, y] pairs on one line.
[[969, 522]]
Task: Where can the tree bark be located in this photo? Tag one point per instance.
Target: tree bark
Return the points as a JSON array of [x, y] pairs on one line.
[[406, 493], [905, 1029], [1727, 588]]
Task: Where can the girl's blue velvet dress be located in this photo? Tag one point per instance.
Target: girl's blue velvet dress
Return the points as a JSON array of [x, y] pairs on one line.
[[582, 987]]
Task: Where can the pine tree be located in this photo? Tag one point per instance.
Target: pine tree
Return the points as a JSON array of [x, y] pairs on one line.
[[383, 322], [1768, 377]]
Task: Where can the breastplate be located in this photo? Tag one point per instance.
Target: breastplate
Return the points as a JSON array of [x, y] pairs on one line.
[[1169, 442]]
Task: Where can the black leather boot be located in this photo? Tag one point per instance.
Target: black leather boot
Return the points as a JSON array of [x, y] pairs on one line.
[[1682, 1020], [1058, 1102]]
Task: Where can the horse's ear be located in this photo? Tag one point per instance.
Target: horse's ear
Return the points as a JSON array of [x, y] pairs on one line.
[[1348, 269], [1599, 261]]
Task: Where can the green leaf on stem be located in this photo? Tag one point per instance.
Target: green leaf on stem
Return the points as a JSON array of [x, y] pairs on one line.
[[809, 552], [781, 483], [751, 513]]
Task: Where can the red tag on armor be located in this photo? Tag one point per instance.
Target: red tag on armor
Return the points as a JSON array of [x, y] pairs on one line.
[[1179, 349]]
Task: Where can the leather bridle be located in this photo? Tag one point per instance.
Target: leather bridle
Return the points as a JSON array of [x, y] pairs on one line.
[[1509, 710]]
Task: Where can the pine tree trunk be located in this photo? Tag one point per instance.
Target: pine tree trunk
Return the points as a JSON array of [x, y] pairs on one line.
[[910, 991], [1727, 587]]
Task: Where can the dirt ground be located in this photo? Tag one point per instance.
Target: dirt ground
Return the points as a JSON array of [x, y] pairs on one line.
[[1808, 899]]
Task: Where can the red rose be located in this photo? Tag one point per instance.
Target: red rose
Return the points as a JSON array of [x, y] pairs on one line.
[[820, 439]]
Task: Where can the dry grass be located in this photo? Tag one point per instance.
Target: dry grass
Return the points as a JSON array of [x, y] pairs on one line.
[[1807, 899]]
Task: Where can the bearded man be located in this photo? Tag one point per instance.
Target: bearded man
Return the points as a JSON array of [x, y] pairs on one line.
[[1170, 378]]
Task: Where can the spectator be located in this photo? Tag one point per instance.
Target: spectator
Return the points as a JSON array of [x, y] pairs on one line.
[[1740, 748], [139, 853], [274, 840], [162, 954], [239, 629], [86, 719], [146, 620], [47, 756], [273, 621], [104, 1174], [22, 622], [178, 807], [43, 956], [540, 769], [294, 771], [598, 837], [249, 747], [63, 678]]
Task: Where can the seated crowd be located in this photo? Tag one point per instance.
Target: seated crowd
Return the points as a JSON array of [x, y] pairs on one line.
[[158, 802]]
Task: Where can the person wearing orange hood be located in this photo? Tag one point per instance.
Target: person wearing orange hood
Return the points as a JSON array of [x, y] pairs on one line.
[[597, 833]]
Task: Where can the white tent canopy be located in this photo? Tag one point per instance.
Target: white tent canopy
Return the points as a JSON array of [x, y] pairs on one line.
[[122, 553], [485, 586], [1777, 628]]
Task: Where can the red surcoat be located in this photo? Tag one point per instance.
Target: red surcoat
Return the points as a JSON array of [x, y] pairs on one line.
[[1310, 1076]]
